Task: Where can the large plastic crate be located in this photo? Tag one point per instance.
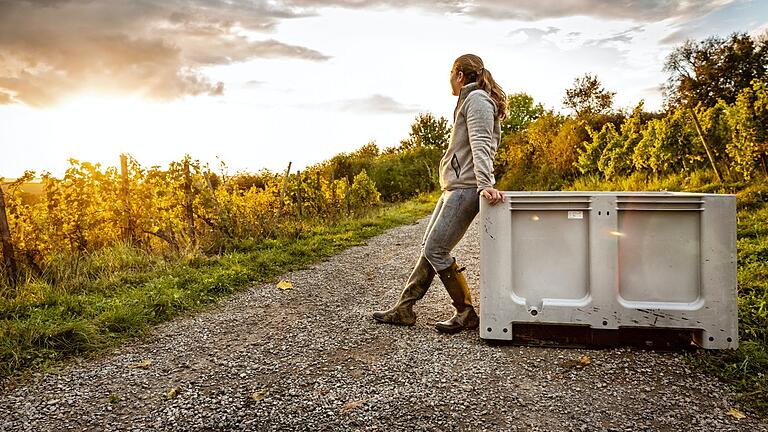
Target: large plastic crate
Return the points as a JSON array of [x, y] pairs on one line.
[[610, 260]]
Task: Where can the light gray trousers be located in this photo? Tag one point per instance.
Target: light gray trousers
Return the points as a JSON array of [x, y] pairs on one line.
[[453, 213]]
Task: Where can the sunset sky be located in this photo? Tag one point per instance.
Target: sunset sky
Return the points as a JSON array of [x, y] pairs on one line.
[[261, 83]]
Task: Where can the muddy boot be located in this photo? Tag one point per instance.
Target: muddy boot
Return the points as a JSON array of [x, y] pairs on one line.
[[415, 288], [465, 316]]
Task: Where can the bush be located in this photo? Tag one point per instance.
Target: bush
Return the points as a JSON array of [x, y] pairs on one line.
[[362, 194], [405, 174]]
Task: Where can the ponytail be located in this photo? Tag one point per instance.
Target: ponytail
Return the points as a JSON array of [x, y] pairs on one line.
[[485, 81], [474, 71]]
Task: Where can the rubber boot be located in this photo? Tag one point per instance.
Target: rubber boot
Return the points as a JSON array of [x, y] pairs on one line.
[[465, 316], [415, 288]]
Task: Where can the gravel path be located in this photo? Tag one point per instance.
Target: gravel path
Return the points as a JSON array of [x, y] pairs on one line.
[[311, 358]]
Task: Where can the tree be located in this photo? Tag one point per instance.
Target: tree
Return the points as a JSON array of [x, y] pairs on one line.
[[406, 173], [541, 134], [717, 131], [363, 194], [368, 151], [703, 72], [514, 154], [427, 131], [667, 145], [521, 111], [555, 140], [748, 119], [350, 164], [591, 152], [616, 158], [588, 97]]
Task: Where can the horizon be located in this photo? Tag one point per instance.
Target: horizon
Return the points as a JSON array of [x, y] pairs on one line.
[[259, 85]]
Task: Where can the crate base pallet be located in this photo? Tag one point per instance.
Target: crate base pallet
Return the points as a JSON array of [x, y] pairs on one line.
[[571, 336], [610, 261]]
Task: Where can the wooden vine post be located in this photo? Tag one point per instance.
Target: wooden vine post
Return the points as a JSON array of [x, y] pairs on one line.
[[318, 195], [333, 194], [298, 195], [225, 225], [5, 238], [188, 209], [130, 226], [282, 193], [347, 188], [706, 146]]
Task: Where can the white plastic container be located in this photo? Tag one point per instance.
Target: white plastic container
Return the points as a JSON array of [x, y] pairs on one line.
[[610, 260]]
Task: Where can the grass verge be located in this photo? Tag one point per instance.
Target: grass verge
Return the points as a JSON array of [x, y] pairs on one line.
[[121, 292]]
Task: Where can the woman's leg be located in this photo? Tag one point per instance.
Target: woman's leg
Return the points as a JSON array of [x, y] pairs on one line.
[[457, 213], [415, 287], [433, 218], [449, 224]]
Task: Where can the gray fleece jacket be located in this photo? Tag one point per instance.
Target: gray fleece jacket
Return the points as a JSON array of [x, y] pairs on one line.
[[468, 161]]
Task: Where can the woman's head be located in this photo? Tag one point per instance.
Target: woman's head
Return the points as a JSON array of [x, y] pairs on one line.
[[469, 68]]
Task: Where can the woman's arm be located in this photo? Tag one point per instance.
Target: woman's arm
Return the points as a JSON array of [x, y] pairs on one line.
[[480, 117]]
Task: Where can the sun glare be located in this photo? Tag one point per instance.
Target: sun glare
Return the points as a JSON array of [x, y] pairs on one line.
[[85, 99], [97, 127]]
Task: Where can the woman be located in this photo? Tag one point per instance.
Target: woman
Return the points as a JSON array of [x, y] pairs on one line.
[[466, 170]]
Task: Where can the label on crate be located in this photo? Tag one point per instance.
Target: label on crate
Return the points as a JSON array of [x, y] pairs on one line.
[[575, 215]]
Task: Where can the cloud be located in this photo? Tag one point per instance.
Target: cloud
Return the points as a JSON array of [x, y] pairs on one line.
[[52, 48], [759, 31], [621, 37], [158, 48], [532, 10], [635, 10], [653, 90], [742, 16], [253, 83], [375, 104], [676, 37], [534, 34]]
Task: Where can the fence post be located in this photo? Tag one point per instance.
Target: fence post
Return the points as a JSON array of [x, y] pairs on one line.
[[347, 187], [188, 201], [318, 196], [333, 194], [5, 237], [282, 192], [225, 222], [298, 195], [706, 147]]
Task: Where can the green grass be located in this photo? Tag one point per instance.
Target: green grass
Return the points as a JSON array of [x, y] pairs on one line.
[[85, 304], [745, 369]]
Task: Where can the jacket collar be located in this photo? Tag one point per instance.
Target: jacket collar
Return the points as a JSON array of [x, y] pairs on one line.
[[463, 92], [466, 89]]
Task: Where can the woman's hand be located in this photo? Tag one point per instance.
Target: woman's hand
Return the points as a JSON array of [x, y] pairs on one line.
[[492, 195]]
